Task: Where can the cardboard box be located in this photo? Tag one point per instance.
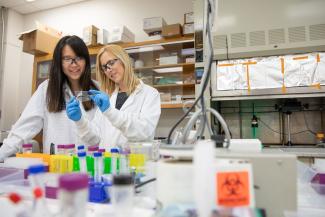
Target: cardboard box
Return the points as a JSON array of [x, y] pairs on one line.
[[168, 60], [153, 24], [38, 42], [189, 17], [102, 36], [165, 97], [89, 35], [188, 29], [119, 38], [174, 30], [123, 30]]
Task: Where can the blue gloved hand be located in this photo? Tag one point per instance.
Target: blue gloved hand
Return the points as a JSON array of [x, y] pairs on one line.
[[73, 109], [100, 98]]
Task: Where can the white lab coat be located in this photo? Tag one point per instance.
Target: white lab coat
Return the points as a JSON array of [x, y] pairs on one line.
[[135, 121], [57, 127]]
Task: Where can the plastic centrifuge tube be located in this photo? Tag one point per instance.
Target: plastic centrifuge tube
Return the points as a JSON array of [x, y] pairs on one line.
[[98, 164], [82, 162], [102, 150], [73, 195], [35, 178], [70, 149], [27, 148], [92, 149], [60, 149], [80, 148], [124, 164], [114, 159], [122, 195]]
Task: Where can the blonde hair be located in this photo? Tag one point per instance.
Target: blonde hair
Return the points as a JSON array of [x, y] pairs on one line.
[[129, 78]]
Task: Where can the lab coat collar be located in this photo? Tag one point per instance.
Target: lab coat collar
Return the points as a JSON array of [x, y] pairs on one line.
[[130, 99]]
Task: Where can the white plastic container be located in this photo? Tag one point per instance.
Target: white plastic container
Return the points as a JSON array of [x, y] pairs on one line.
[[73, 194]]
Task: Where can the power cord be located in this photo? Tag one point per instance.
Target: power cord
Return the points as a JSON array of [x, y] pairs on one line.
[[270, 128]]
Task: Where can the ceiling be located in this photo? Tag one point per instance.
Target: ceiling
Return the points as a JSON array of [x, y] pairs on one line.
[[24, 7]]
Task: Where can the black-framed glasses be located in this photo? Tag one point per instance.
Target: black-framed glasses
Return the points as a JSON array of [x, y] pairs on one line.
[[70, 60], [109, 64]]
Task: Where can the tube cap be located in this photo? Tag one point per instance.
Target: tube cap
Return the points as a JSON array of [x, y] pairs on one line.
[[114, 150], [122, 180], [80, 147], [70, 146], [102, 150], [93, 148], [98, 154], [36, 169], [27, 145], [61, 146], [73, 181], [82, 154]]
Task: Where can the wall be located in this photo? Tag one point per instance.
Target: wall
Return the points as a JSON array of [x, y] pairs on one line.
[[71, 19], [10, 88]]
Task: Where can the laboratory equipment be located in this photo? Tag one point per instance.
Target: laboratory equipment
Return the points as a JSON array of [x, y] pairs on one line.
[[37, 184], [124, 162], [82, 96], [60, 149], [82, 162], [281, 176], [122, 195], [80, 148], [73, 195], [27, 148], [102, 150], [92, 149], [114, 161], [98, 166], [70, 149]]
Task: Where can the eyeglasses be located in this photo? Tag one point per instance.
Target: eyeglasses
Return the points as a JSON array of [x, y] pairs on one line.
[[109, 64], [69, 60]]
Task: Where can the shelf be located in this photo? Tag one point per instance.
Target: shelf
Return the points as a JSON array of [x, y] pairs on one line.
[[184, 65], [167, 41], [173, 85], [275, 93], [174, 105]]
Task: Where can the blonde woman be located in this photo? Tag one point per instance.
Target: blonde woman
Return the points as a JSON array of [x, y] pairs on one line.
[[129, 110]]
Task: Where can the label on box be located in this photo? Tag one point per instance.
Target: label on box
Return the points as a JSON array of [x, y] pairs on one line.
[[233, 189], [189, 17]]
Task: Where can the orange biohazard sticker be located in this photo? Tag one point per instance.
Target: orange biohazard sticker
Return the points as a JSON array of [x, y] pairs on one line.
[[233, 189]]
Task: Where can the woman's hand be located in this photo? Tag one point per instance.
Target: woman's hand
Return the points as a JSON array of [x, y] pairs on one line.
[[73, 109], [100, 98]]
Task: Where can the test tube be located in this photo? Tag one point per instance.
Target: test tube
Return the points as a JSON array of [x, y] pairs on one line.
[[81, 148], [102, 150], [27, 148], [60, 149], [114, 158], [122, 195], [124, 165], [82, 162], [35, 178], [98, 170], [73, 195], [92, 149], [70, 148]]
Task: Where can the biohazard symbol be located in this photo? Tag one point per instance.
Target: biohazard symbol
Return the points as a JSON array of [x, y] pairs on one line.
[[233, 189], [232, 185]]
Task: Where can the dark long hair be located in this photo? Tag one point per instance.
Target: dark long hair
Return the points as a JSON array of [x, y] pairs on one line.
[[55, 90]]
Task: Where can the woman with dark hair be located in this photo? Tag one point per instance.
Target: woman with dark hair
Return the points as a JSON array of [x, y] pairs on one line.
[[70, 72]]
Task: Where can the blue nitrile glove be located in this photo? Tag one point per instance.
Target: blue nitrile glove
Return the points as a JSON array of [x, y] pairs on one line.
[[73, 109], [100, 98]]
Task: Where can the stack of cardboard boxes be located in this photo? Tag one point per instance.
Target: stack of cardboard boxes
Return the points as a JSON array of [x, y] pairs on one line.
[[188, 27]]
